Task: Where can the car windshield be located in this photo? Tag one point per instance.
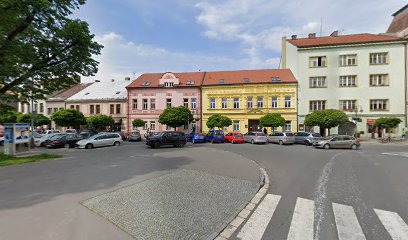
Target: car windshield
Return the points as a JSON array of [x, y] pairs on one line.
[[316, 135], [238, 135], [328, 138], [261, 134], [57, 136], [200, 135], [289, 134]]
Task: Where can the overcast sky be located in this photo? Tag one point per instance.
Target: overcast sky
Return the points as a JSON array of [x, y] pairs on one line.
[[142, 36]]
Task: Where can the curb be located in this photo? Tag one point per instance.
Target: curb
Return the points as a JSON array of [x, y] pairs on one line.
[[244, 214]]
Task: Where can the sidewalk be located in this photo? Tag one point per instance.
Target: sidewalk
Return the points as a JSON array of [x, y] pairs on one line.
[[398, 141]]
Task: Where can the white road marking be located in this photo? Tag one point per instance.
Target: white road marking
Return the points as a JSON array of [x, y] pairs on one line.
[[301, 227], [401, 154], [394, 224], [256, 225], [348, 227]]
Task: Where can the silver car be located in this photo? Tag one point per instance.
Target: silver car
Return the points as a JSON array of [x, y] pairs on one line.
[[100, 140], [307, 138], [338, 141], [282, 138], [255, 137], [40, 142]]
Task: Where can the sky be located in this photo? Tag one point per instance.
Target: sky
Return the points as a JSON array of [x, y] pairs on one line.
[[146, 36]]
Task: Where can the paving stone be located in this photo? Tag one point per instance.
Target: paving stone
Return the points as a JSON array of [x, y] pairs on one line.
[[184, 204]]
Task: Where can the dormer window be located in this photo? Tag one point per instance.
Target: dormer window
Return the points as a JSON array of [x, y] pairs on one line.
[[275, 79], [117, 92], [145, 83], [247, 80], [190, 83], [87, 93], [169, 84], [222, 81]]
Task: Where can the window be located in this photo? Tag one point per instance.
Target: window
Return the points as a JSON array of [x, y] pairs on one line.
[[112, 108], [347, 105], [168, 84], [379, 104], [193, 103], [288, 102], [288, 126], [260, 102], [348, 81], [168, 102], [348, 60], [317, 82], [117, 108], [41, 107], [153, 125], [134, 105], [317, 105], [49, 111], [317, 62], [55, 109], [378, 58], [145, 104], [190, 83], [250, 102], [212, 103], [145, 125], [222, 81], [185, 102], [274, 102], [98, 109], [379, 80], [92, 109], [275, 79], [145, 83], [77, 107], [247, 80], [236, 103], [152, 103], [224, 103], [71, 106], [236, 125]]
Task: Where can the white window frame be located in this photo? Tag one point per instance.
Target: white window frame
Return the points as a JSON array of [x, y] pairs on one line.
[[314, 61], [168, 103], [274, 102], [348, 105], [134, 104], [379, 80], [224, 103], [153, 125], [317, 82], [212, 103], [152, 103], [260, 102], [348, 81], [379, 58], [250, 102], [145, 103], [193, 103], [288, 126], [379, 105], [288, 101], [185, 103], [315, 105], [236, 125], [236, 103], [348, 60]]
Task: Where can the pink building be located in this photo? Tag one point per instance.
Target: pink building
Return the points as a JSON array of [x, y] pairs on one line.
[[151, 93]]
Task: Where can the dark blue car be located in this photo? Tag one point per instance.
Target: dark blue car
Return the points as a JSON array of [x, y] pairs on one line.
[[195, 137], [215, 136]]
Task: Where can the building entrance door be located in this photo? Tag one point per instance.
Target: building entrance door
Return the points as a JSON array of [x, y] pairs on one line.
[[253, 125]]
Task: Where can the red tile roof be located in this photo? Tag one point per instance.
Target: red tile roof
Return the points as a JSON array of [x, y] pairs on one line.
[[342, 40], [154, 79], [249, 77]]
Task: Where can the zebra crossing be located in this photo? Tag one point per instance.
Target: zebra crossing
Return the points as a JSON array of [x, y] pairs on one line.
[[302, 224]]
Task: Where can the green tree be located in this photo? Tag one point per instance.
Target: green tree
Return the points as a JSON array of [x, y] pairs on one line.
[[42, 50], [387, 123], [326, 119], [272, 120], [219, 121], [38, 120], [176, 116], [68, 118], [7, 114], [138, 123], [100, 122]]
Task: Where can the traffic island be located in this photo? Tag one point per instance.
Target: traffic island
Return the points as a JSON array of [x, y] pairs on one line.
[[6, 160]]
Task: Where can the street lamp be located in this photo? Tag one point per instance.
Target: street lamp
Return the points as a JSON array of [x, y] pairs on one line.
[[356, 110]]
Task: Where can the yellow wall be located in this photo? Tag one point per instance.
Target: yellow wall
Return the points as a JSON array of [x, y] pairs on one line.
[[243, 91]]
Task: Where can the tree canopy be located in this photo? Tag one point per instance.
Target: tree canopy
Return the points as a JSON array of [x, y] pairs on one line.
[[7, 114], [42, 50], [38, 120], [138, 123], [328, 118], [387, 123], [68, 118], [272, 120], [219, 121], [176, 116], [100, 122]]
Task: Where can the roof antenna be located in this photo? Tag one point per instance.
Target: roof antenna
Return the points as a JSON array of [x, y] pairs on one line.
[[321, 25]]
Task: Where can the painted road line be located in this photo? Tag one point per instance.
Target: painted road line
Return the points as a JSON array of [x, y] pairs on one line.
[[259, 220], [301, 227], [394, 224], [347, 224]]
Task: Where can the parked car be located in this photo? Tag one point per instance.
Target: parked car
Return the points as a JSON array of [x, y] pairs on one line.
[[196, 137], [256, 137], [215, 136], [177, 139], [122, 134], [282, 138], [338, 141], [51, 131], [234, 137], [100, 140], [40, 142], [63, 140], [307, 138], [72, 131], [85, 134], [134, 136]]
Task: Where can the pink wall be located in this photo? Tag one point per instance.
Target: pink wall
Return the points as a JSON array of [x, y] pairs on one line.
[[161, 94]]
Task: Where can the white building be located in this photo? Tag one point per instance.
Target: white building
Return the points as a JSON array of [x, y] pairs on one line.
[[362, 74]]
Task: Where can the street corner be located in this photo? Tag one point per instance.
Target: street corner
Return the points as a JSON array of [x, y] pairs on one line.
[[184, 204]]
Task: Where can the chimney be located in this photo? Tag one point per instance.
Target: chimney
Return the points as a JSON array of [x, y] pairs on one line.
[[294, 37], [312, 35], [112, 80], [127, 78], [334, 34], [97, 80]]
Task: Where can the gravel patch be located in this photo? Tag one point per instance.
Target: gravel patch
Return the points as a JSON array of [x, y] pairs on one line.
[[185, 204]]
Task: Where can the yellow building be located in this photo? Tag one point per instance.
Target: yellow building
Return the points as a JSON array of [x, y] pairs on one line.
[[247, 95]]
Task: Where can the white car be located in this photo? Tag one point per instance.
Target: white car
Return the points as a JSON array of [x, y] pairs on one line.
[[100, 140], [51, 132], [71, 131], [39, 142]]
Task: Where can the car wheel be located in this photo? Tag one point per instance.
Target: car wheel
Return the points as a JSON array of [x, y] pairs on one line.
[[326, 146], [307, 143], [89, 146], [252, 141], [354, 147], [66, 145], [280, 142], [156, 145], [116, 143], [183, 144]]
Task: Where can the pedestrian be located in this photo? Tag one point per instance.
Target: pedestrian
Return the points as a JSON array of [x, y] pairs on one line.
[[265, 131]]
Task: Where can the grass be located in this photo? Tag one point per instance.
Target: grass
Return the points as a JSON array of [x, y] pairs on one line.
[[6, 160]]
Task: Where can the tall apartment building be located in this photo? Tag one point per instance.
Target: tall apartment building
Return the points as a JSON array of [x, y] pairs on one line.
[[361, 74]]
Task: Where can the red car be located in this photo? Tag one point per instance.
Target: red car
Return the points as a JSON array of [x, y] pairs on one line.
[[234, 137]]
